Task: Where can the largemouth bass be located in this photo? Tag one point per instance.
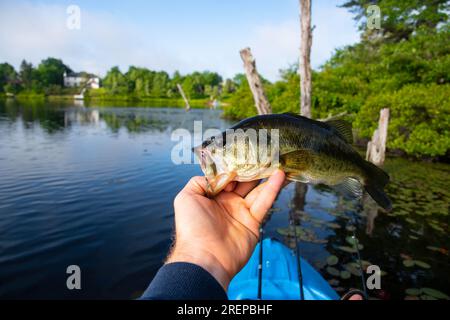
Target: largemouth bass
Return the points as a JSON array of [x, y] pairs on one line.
[[307, 150]]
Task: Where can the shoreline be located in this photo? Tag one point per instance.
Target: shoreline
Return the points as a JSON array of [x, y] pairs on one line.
[[125, 101], [155, 102]]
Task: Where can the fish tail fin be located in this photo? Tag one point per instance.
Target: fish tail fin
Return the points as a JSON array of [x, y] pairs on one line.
[[376, 180]]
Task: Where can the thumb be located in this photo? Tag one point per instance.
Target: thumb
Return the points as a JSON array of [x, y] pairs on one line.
[[267, 195], [196, 185]]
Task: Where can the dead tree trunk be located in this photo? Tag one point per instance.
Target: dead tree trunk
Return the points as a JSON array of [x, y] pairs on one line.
[[305, 58], [186, 102], [376, 148], [261, 102]]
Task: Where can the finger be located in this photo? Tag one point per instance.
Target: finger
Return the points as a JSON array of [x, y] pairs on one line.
[[230, 187], [197, 185], [267, 196], [252, 195], [243, 188]]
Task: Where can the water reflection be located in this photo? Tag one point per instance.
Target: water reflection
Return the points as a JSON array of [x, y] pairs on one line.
[[409, 244], [95, 185], [57, 116]]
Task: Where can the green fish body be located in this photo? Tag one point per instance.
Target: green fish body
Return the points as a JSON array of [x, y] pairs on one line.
[[308, 151]]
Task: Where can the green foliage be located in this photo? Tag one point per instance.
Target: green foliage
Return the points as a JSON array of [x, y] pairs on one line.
[[115, 82], [241, 103], [26, 74], [411, 77], [8, 78], [284, 95], [420, 118], [51, 72], [144, 83], [399, 19]]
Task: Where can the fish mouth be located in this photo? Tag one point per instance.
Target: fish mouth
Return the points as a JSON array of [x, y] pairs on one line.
[[203, 156], [216, 177]]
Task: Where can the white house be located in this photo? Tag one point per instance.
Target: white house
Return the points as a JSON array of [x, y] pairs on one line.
[[78, 79]]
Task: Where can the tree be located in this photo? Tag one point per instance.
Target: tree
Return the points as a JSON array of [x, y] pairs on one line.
[[229, 86], [115, 82], [239, 79], [51, 71], [160, 84], [26, 74], [399, 19], [8, 78], [189, 87], [305, 58]]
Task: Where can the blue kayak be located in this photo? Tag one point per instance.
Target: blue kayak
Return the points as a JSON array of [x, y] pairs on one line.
[[279, 277]]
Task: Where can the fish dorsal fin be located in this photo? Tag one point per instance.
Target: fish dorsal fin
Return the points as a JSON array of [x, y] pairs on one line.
[[344, 129], [295, 115]]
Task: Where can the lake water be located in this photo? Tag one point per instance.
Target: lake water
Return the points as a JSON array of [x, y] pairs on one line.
[[93, 186]]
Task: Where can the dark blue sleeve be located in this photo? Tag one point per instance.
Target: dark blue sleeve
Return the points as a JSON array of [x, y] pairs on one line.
[[184, 281]]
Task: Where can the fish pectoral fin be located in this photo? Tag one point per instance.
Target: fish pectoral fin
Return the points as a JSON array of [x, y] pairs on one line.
[[296, 161], [350, 187], [343, 128]]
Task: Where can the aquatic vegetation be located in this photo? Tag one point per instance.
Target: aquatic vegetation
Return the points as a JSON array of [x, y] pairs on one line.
[[332, 260], [435, 293], [411, 263], [425, 294], [302, 234], [333, 271], [345, 274]]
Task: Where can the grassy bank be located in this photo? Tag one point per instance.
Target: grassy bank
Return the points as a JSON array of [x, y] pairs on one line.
[[108, 100]]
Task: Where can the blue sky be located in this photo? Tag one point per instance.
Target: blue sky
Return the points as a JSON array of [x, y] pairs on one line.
[[170, 34]]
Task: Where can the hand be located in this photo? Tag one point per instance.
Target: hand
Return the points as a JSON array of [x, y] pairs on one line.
[[220, 234]]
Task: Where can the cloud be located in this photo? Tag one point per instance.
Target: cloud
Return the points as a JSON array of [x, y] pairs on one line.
[[277, 45], [35, 31]]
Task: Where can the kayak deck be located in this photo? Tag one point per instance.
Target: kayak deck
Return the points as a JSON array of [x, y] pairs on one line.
[[279, 277]]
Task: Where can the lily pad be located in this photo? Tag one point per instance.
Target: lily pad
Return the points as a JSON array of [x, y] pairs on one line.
[[283, 231], [408, 263], [353, 268], [345, 274], [426, 297], [412, 298], [346, 249], [412, 292], [351, 240], [435, 293], [332, 260], [422, 264], [436, 227], [333, 271]]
